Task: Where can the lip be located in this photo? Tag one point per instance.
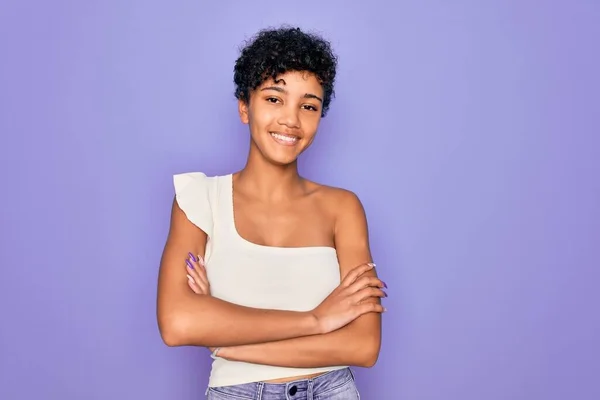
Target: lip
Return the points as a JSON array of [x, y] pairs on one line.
[[284, 142]]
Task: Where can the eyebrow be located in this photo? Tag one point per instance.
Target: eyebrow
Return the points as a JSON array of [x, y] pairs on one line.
[[282, 90]]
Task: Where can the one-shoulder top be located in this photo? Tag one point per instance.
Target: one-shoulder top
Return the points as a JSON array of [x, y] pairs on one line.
[[252, 275]]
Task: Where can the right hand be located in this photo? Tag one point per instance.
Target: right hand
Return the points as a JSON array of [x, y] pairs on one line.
[[346, 302], [196, 274]]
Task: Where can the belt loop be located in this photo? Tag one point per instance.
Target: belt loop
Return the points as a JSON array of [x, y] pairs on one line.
[[351, 373], [309, 390], [259, 390]]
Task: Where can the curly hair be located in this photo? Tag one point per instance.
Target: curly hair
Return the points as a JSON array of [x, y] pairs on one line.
[[275, 51]]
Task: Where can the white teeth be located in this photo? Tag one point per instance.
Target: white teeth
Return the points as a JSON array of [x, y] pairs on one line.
[[284, 138]]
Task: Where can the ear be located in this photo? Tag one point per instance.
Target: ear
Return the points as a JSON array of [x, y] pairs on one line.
[[243, 111]]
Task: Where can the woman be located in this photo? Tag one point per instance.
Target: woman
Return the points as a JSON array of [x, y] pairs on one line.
[[271, 271]]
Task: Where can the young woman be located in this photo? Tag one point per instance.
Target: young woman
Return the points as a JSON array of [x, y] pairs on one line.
[[269, 270]]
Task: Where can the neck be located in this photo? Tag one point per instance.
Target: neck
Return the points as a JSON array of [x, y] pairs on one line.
[[266, 180]]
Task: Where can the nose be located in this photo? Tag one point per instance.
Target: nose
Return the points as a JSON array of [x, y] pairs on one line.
[[289, 117]]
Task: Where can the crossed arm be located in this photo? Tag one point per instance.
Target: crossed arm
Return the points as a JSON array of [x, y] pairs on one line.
[[280, 338]]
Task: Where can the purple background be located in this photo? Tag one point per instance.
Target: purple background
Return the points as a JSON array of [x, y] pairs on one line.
[[469, 129]]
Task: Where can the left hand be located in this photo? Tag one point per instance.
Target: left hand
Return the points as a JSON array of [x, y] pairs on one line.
[[196, 273]]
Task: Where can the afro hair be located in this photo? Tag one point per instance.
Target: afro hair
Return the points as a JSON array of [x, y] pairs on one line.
[[276, 51]]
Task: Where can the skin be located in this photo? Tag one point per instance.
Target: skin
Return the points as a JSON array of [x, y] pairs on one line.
[[275, 206]]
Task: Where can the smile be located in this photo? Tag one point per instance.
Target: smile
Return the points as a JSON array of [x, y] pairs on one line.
[[287, 140]]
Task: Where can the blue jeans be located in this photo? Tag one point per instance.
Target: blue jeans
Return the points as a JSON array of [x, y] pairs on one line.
[[333, 385]]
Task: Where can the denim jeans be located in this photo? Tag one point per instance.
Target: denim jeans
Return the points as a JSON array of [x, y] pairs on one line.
[[333, 385]]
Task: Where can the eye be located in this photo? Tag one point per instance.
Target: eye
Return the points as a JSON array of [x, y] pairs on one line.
[[310, 107], [272, 99]]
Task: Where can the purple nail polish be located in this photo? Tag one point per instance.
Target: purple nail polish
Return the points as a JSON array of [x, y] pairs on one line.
[[189, 264], [384, 294], [192, 257], [384, 285]]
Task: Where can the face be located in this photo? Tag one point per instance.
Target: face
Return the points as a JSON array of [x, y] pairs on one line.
[[283, 116]]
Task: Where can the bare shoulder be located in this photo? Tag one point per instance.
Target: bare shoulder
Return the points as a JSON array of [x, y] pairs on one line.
[[339, 203], [349, 226]]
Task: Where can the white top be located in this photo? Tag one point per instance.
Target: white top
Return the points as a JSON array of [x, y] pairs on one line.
[[253, 275]]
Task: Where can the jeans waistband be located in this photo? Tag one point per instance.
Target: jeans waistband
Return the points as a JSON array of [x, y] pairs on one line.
[[319, 384], [298, 389]]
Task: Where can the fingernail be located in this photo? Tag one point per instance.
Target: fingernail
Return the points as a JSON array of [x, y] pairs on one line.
[[384, 285], [371, 265], [189, 264], [201, 260], [384, 294], [192, 257], [191, 279]]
